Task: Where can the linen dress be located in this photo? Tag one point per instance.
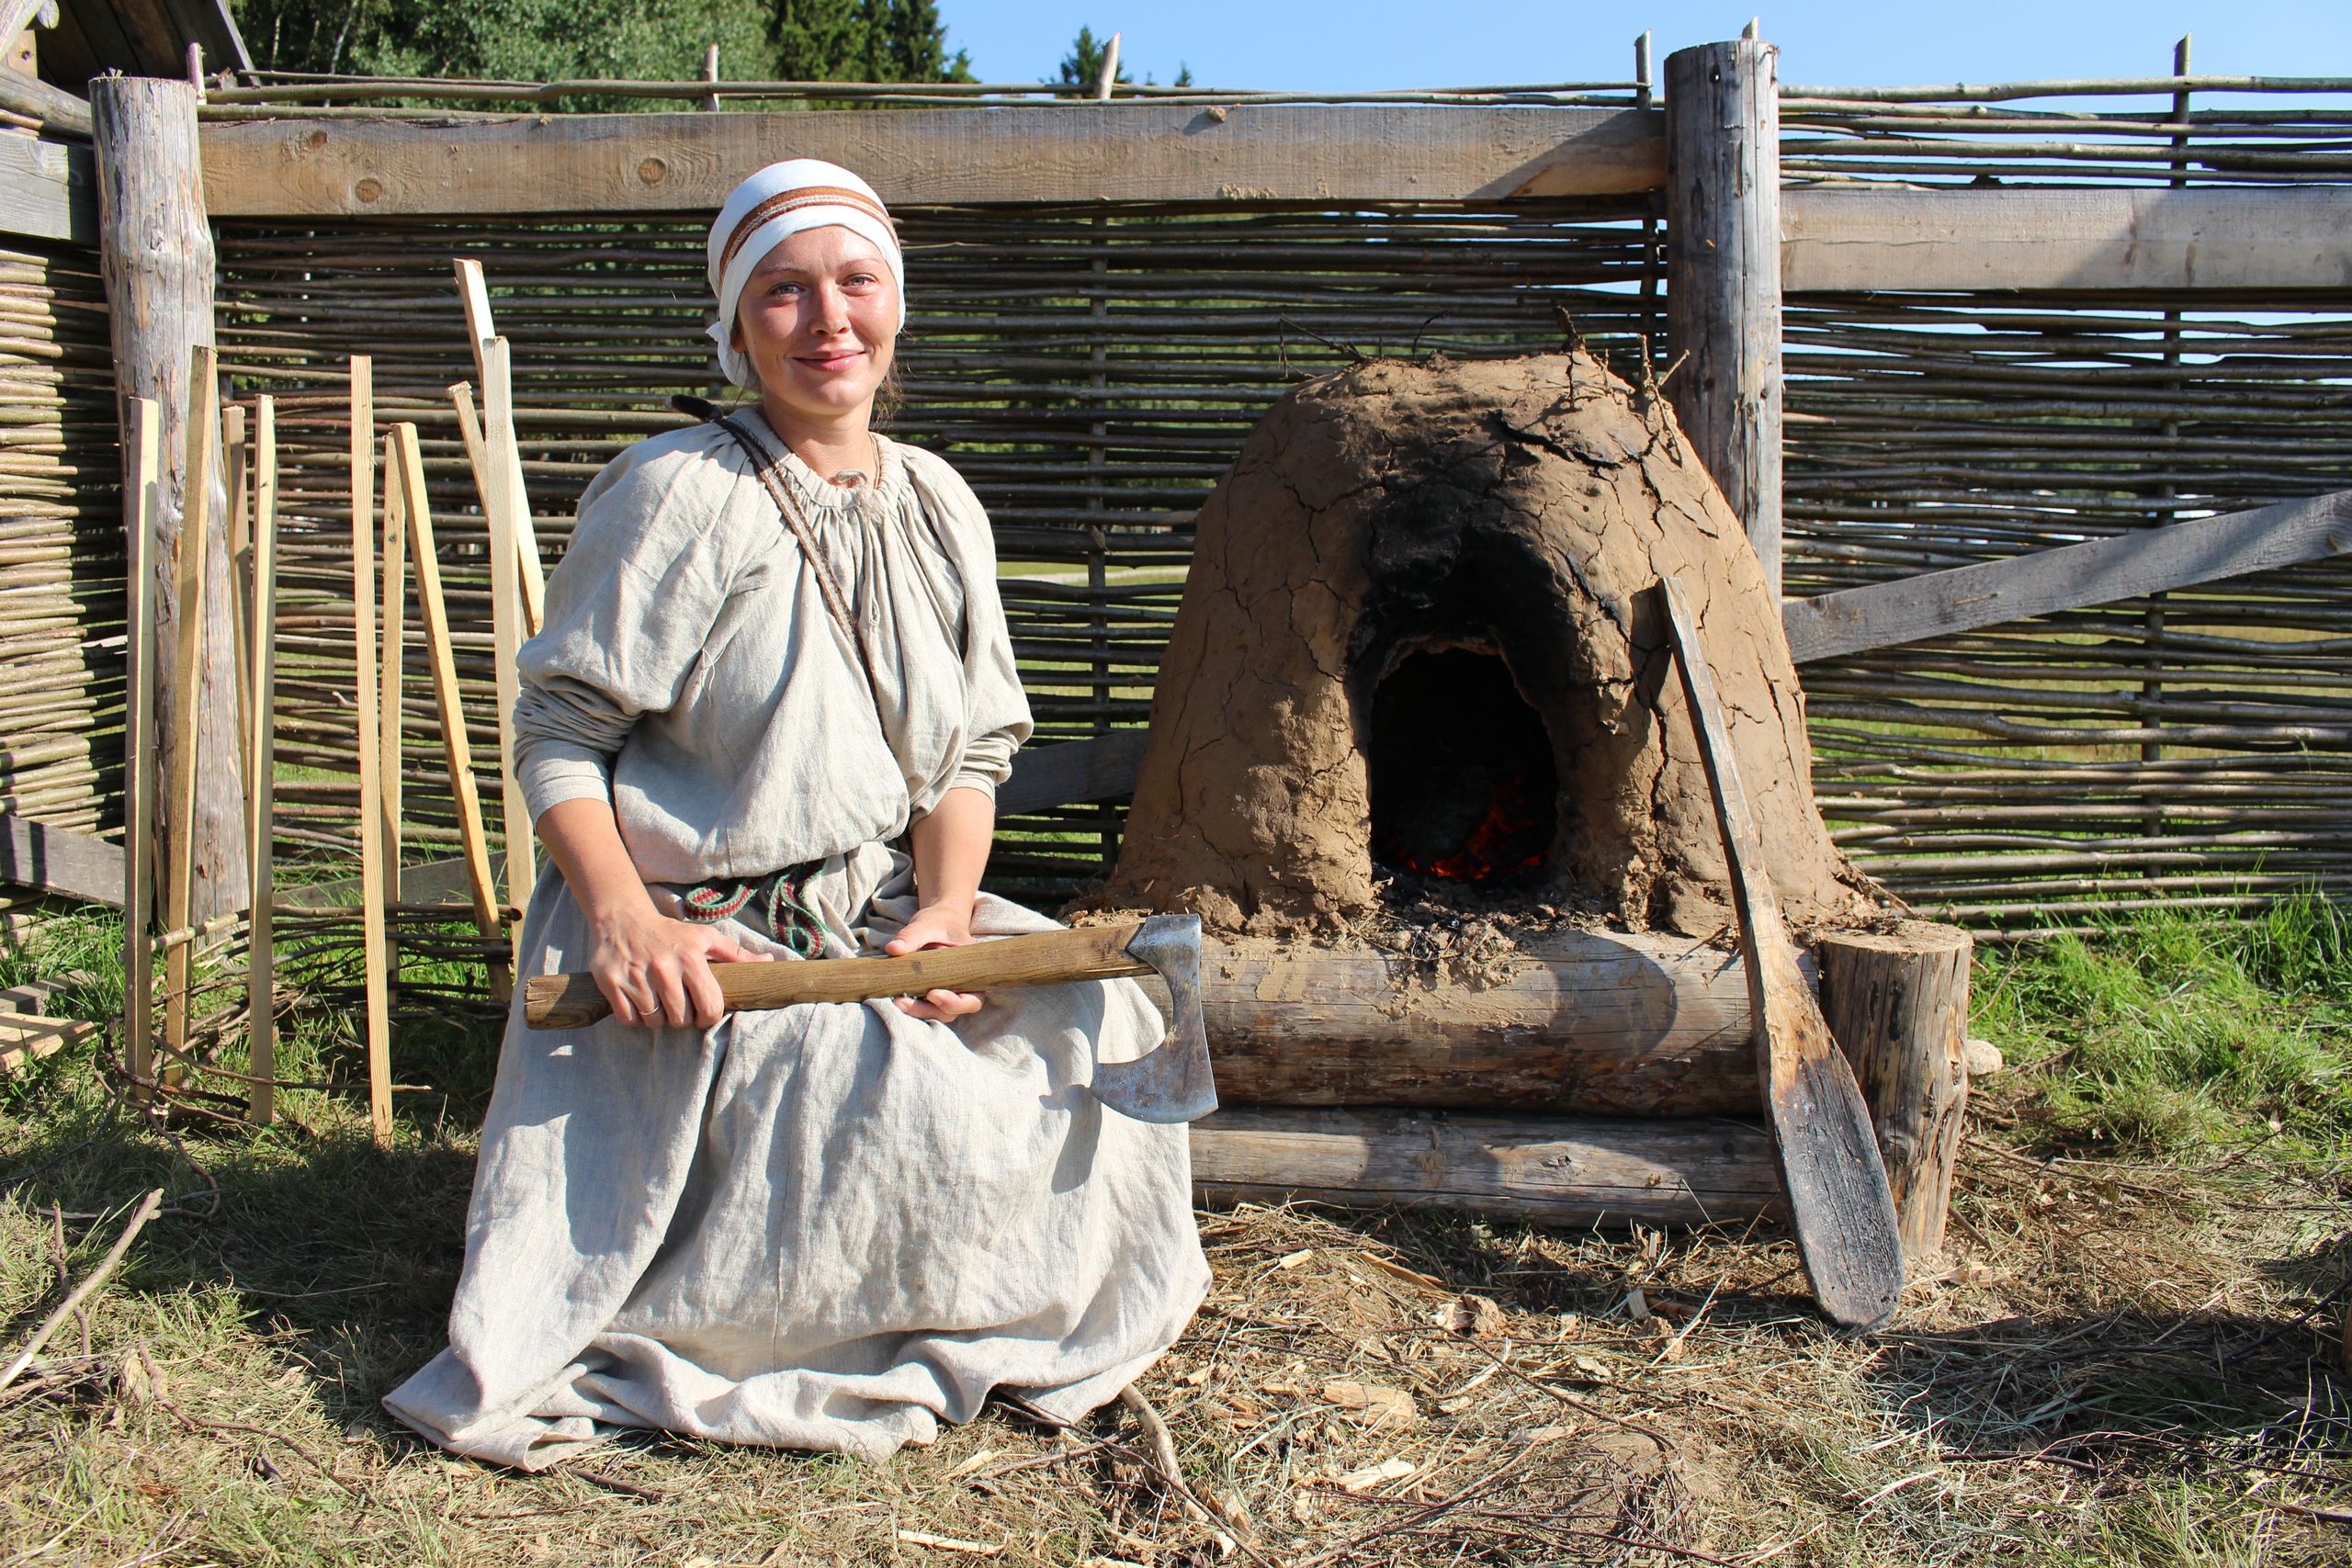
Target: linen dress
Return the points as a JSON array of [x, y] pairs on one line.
[[824, 1226]]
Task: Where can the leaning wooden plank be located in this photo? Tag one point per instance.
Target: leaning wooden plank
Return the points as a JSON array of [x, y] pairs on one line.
[[480, 330], [393, 659], [672, 163], [196, 530], [261, 769], [371, 805], [27, 1037], [432, 609], [1615, 1171], [1072, 772], [501, 505], [1838, 1197], [141, 509], [1839, 1203], [2021, 237], [49, 190], [58, 859], [240, 582], [2101, 571]]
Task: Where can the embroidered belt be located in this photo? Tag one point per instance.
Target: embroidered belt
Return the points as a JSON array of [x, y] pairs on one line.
[[780, 898]]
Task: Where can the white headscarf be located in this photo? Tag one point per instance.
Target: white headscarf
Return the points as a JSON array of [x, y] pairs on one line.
[[779, 201]]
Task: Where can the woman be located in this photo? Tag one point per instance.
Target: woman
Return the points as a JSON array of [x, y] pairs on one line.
[[825, 1226]]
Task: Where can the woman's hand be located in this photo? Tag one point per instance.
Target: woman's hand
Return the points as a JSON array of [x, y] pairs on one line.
[[656, 971], [936, 925], [951, 850]]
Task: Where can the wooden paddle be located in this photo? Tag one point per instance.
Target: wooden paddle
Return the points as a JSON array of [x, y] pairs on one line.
[[1840, 1202]]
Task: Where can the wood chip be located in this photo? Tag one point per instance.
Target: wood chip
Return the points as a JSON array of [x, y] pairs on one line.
[[947, 1543], [1357, 1481], [1381, 1406], [974, 1462], [1541, 1433], [1395, 1271], [1304, 1254], [1474, 1315]]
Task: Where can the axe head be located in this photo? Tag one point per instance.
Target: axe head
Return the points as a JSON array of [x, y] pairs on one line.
[[1172, 1083]]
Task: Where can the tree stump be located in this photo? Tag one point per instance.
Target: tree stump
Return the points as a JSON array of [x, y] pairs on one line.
[[1898, 1002]]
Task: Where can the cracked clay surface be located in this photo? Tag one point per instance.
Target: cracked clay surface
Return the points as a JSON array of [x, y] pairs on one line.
[[1523, 507]]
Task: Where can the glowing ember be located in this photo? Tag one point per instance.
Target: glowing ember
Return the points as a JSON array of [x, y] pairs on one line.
[[1509, 842]]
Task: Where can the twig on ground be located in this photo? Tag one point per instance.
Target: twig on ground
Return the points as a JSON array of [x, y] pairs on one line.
[[49, 1325], [196, 1424], [1081, 1452], [610, 1482]]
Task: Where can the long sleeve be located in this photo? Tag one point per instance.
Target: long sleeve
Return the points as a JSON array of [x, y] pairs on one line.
[[628, 615], [996, 710]]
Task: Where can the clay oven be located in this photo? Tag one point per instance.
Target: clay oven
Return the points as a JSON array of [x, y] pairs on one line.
[[1419, 640]]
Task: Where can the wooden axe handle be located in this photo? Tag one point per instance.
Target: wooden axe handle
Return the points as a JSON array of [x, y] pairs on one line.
[[1041, 958]]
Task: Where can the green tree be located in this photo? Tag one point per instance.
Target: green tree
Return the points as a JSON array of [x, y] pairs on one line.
[[1083, 66], [865, 40], [879, 41]]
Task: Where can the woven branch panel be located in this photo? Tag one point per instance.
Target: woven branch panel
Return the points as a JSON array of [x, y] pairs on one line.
[[2194, 751], [1092, 373], [60, 543], [1089, 375]]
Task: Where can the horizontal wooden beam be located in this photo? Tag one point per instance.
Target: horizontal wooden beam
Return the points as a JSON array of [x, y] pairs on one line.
[[2101, 571], [1616, 1171], [56, 860], [1838, 242], [1073, 772], [48, 190], [1141, 153], [36, 99]]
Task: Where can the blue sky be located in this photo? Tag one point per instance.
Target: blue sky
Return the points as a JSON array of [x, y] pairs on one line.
[[1367, 44]]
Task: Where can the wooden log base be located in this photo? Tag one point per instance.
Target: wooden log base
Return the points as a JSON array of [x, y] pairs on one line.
[[1548, 1171], [1597, 1023]]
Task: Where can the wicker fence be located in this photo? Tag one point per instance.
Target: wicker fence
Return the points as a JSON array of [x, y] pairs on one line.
[[1093, 371]]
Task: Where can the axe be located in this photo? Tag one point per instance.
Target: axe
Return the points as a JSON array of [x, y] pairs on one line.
[[1172, 1083]]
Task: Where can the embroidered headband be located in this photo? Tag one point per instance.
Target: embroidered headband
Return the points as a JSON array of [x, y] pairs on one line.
[[773, 205]]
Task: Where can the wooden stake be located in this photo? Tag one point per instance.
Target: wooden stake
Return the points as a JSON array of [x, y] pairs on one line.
[[371, 779], [196, 529], [502, 505], [140, 506], [461, 396], [260, 774], [241, 579], [395, 630], [434, 611], [480, 330]]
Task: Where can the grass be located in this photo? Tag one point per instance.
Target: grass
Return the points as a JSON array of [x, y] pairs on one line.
[[2173, 1029], [2131, 1356]]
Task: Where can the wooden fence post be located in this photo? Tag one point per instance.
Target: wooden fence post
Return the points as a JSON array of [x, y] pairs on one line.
[[1722, 277], [155, 255]]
